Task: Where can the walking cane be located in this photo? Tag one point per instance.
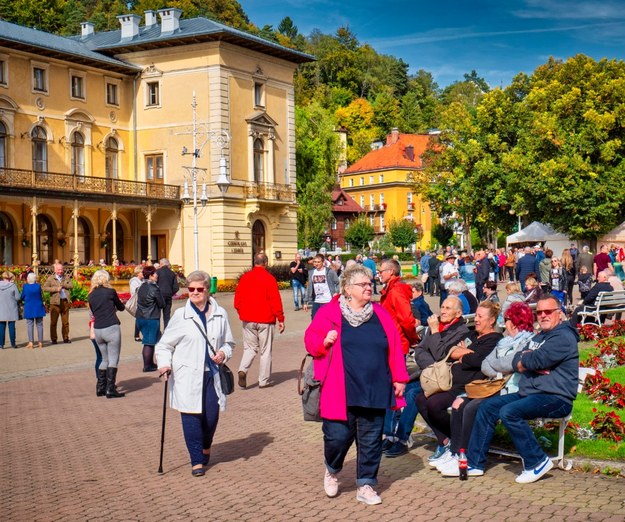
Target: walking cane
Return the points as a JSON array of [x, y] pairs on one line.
[[160, 463]]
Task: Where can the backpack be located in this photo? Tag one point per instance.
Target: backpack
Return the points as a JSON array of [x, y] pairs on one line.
[[585, 284]]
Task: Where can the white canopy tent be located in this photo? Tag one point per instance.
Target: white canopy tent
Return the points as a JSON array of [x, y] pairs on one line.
[[540, 233]]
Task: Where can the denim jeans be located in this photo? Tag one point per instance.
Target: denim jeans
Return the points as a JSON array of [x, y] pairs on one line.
[[514, 411], [400, 423], [3, 325], [298, 289], [364, 425]]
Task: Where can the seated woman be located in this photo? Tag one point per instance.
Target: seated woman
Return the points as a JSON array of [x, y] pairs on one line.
[[533, 291], [520, 329], [515, 295], [469, 353], [490, 292]]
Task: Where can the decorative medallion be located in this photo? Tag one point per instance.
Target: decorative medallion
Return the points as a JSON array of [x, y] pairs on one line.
[[40, 103], [113, 116]]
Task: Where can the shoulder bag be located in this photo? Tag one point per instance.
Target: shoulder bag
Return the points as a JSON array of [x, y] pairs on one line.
[[131, 304], [482, 388], [436, 377], [309, 388], [226, 377]]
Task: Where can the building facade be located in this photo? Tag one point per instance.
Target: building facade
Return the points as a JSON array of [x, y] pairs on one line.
[[344, 212], [103, 133], [380, 183]]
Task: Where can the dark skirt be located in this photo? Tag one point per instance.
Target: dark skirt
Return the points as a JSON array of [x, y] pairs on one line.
[[150, 330]]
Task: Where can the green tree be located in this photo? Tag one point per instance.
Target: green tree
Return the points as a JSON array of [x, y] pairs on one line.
[[359, 233], [443, 234], [402, 233]]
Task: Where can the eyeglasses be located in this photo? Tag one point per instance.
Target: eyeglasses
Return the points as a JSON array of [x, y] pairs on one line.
[[386, 270], [363, 285], [198, 289], [546, 312]]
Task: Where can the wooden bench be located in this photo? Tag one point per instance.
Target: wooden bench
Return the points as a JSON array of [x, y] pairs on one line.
[[558, 459], [607, 303]]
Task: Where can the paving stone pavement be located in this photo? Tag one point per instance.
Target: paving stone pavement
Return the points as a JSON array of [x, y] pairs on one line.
[[67, 455]]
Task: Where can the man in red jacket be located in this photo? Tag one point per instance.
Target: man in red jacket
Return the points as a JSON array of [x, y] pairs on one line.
[[396, 298], [259, 305]]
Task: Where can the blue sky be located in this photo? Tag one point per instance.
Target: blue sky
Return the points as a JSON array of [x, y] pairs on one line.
[[497, 38]]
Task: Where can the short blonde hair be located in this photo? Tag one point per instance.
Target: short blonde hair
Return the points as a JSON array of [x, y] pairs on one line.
[[100, 278], [350, 273], [513, 287]]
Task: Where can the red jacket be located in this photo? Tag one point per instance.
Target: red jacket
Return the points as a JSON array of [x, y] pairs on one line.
[[257, 298], [396, 299]]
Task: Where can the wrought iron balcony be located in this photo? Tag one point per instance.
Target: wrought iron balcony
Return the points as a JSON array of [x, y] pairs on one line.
[[30, 182], [270, 192]]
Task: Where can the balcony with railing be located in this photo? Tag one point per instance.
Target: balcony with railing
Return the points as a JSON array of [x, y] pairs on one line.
[[376, 208], [270, 192], [30, 182]]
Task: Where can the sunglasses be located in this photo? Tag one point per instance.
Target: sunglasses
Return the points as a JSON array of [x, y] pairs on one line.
[[547, 312], [198, 289]]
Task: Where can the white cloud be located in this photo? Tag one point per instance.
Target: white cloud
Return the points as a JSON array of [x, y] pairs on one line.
[[571, 10]]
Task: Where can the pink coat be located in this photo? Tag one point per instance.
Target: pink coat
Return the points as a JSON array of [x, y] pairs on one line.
[[333, 402]]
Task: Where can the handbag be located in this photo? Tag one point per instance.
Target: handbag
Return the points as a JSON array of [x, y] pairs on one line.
[[226, 377], [310, 391], [131, 304], [436, 377], [482, 388]]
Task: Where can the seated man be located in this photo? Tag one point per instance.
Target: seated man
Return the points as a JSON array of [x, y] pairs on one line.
[[590, 299], [547, 389]]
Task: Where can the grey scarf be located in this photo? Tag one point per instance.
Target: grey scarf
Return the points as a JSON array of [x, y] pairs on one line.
[[355, 318]]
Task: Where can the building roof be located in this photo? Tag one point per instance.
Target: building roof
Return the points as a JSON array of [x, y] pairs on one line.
[[192, 30], [50, 45], [348, 204], [393, 155]]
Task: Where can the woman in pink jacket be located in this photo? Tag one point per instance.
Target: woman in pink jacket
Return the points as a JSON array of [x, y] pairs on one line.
[[359, 359]]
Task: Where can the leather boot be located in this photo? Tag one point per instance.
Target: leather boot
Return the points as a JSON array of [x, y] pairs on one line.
[[111, 389], [100, 388]]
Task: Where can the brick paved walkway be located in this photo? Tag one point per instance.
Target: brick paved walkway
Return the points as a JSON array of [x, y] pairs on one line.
[[69, 455]]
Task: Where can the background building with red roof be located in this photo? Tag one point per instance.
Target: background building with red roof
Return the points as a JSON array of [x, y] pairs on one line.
[[345, 211], [380, 183]]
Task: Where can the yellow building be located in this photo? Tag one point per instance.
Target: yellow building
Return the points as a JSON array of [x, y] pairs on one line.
[[380, 183], [103, 133]]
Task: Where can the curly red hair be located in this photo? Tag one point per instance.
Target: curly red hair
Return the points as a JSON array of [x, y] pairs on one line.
[[521, 316]]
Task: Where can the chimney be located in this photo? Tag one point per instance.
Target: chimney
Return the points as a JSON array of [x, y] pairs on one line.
[[150, 18], [130, 25], [410, 152], [87, 29], [393, 137], [170, 20]]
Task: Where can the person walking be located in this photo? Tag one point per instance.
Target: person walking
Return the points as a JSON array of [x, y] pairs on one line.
[[168, 284], [323, 284], [183, 352], [259, 305], [34, 309], [59, 286], [9, 297], [358, 356], [298, 275], [104, 303], [150, 302], [134, 284]]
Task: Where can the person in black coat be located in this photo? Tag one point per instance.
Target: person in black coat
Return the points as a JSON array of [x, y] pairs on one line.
[[433, 275], [168, 284], [601, 286], [481, 276], [150, 302]]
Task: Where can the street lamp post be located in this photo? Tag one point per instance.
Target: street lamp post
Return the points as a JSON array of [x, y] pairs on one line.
[[221, 138]]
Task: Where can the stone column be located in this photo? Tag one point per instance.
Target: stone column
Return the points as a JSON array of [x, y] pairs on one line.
[[75, 214], [114, 228], [148, 211], [33, 213]]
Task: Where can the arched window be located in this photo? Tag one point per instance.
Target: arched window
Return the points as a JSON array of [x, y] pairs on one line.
[[6, 240], [44, 239], [112, 152], [84, 241], [259, 160], [346, 223], [78, 155], [3, 146], [258, 238], [40, 149]]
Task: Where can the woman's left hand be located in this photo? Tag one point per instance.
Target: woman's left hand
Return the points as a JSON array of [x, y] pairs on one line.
[[219, 357], [399, 388]]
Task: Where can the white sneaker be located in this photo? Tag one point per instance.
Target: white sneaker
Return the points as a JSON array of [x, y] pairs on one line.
[[330, 484], [532, 475], [367, 495], [443, 457], [451, 469], [445, 462]]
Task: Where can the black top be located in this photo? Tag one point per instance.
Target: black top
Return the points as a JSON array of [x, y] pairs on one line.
[[591, 297], [103, 303], [472, 300], [470, 368], [167, 281], [149, 301], [368, 381], [301, 274]]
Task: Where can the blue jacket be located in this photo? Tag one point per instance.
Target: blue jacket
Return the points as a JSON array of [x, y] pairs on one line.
[[33, 304], [526, 265], [420, 309], [551, 363], [425, 263]]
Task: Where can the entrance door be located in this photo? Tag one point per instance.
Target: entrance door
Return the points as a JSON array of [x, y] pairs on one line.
[[258, 239], [158, 247]]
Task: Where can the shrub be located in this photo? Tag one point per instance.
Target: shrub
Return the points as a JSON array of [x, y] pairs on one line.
[[280, 271]]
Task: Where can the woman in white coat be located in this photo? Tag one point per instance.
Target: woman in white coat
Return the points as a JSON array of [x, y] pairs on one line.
[[183, 353]]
